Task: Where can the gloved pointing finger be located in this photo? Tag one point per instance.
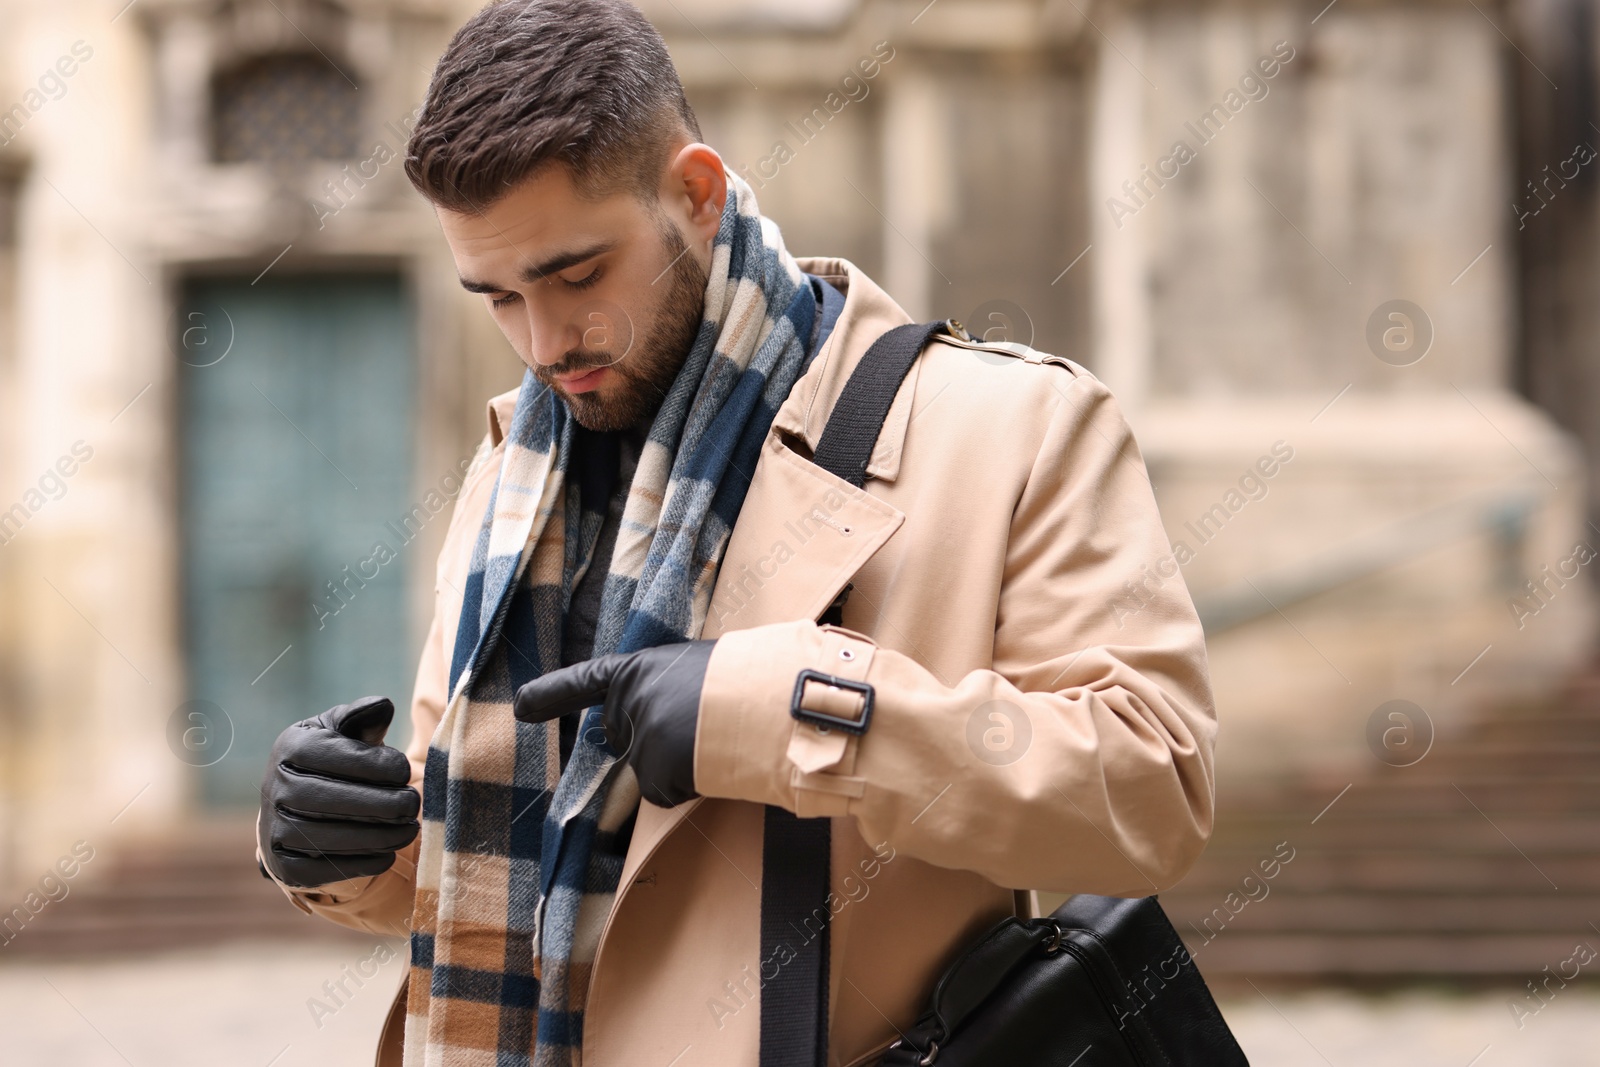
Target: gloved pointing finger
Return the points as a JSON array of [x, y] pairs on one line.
[[570, 689], [651, 709]]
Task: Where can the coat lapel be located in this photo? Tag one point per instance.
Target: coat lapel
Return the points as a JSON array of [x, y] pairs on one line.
[[868, 314], [802, 534], [802, 531]]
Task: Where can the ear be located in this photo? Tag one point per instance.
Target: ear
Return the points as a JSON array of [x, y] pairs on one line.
[[698, 181]]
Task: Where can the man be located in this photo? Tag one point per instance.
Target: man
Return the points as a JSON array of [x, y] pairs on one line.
[[610, 711]]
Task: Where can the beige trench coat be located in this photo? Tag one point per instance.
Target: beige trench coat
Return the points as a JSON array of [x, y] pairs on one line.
[[1031, 731]]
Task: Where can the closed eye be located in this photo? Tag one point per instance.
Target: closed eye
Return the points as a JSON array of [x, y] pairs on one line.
[[587, 280]]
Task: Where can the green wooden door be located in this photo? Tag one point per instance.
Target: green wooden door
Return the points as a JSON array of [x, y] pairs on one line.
[[297, 402]]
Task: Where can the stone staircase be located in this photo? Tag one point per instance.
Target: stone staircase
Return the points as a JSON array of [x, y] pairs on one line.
[[197, 887], [1479, 862]]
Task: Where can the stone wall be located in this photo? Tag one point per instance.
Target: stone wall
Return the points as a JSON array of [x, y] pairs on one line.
[[991, 167]]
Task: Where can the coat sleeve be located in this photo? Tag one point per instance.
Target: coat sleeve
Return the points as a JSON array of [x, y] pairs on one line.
[[1081, 762]]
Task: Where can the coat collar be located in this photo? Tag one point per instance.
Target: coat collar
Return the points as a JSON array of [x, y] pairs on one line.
[[868, 314]]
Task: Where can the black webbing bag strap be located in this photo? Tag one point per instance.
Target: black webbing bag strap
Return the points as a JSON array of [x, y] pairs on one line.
[[795, 863], [852, 431], [794, 940]]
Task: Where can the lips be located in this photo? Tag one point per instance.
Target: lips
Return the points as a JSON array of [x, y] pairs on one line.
[[583, 383]]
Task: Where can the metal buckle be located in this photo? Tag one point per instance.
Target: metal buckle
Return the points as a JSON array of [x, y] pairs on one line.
[[822, 720], [1056, 937], [927, 1058]]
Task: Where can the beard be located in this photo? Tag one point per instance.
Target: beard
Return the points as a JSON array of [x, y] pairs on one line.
[[649, 364]]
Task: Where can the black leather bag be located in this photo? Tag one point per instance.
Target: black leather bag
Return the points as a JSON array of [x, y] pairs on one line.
[[1102, 982]]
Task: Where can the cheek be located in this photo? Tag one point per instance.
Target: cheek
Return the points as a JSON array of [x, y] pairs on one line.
[[603, 325], [513, 324]]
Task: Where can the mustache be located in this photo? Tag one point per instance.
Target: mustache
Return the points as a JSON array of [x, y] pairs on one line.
[[575, 361]]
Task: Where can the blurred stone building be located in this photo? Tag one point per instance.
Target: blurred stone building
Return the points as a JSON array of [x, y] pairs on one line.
[[238, 380]]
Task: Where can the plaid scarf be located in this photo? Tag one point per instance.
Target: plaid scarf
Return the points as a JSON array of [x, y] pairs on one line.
[[519, 860]]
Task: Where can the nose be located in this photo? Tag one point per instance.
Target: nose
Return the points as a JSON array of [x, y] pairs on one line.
[[549, 337]]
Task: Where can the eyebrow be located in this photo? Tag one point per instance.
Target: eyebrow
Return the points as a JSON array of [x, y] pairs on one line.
[[539, 271]]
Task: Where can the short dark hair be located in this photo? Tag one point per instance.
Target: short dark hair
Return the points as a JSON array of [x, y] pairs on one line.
[[586, 83]]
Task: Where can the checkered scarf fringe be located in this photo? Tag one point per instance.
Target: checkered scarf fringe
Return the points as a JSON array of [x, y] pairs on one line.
[[519, 862]]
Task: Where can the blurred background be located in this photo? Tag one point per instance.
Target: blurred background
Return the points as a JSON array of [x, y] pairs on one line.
[[1339, 261]]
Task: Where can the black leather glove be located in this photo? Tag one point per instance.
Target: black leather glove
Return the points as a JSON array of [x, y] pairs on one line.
[[652, 706], [335, 802]]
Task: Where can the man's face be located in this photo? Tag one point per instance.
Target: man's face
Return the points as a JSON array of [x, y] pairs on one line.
[[600, 298]]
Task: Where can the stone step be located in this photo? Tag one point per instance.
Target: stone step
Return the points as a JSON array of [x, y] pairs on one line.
[[1449, 867], [1579, 729], [1318, 955], [1247, 839], [1492, 870], [1392, 795], [1289, 911], [199, 886]]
